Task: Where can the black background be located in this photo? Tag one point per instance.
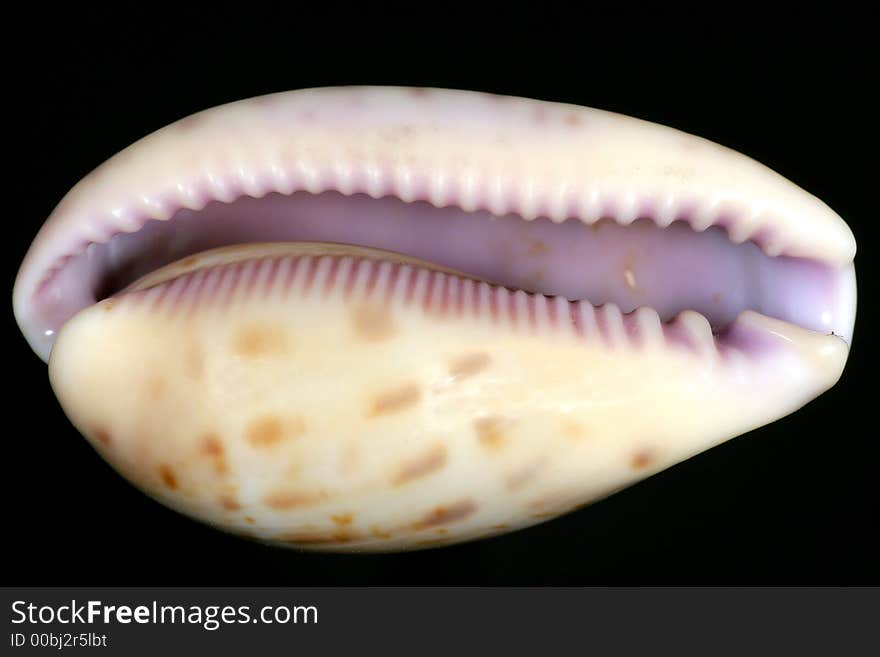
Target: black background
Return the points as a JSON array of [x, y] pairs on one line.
[[794, 502]]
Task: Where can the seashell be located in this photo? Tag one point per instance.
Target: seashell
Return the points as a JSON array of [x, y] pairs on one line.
[[385, 318]]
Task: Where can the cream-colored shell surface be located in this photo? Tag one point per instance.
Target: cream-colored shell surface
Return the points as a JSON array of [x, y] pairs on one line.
[[346, 402]]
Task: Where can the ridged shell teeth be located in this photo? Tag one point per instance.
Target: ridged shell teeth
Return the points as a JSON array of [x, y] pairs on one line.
[[647, 327], [584, 318], [627, 209], [469, 189], [340, 171], [438, 189], [404, 182], [740, 231], [556, 203], [279, 174], [692, 330], [703, 217], [527, 201], [665, 212], [250, 182], [311, 177], [220, 187], [773, 247], [189, 197], [610, 323]]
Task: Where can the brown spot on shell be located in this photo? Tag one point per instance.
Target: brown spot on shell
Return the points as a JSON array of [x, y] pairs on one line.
[[169, 478], [538, 248], [378, 532], [229, 502], [395, 400], [447, 514], [490, 431], [350, 458], [264, 431], [317, 538], [249, 520], [573, 119], [573, 430], [373, 323], [194, 362], [469, 364], [581, 505], [419, 92], [536, 278], [525, 474], [283, 500], [499, 528], [258, 340], [305, 536], [342, 519], [154, 386], [270, 430], [212, 447], [103, 436], [109, 304], [189, 262], [552, 504], [430, 461], [642, 459]]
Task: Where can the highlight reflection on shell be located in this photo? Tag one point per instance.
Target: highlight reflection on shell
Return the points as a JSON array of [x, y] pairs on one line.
[[382, 318]]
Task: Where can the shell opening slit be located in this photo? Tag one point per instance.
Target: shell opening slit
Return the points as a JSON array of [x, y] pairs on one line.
[[668, 269]]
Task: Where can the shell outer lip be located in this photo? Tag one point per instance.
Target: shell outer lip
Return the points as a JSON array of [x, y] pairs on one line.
[[380, 109]]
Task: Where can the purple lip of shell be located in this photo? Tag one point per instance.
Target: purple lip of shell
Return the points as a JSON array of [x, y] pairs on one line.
[[685, 250]]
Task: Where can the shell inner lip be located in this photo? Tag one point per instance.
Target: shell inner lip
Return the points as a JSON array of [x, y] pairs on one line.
[[669, 269]]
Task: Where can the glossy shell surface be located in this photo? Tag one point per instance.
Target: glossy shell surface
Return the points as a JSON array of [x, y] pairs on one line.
[[445, 375]]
